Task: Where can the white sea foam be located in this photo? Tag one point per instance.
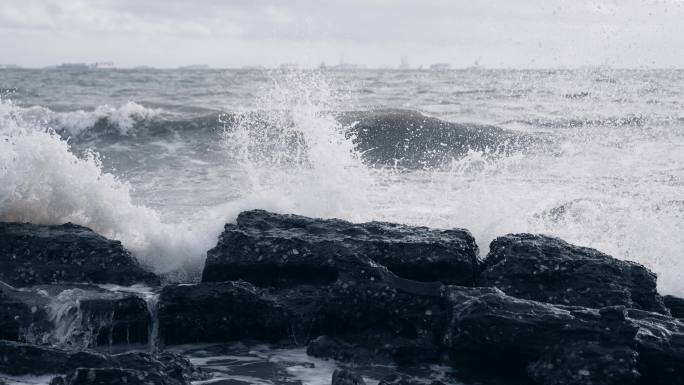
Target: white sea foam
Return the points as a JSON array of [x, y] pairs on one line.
[[44, 182], [122, 117], [614, 188], [295, 155], [28, 379]]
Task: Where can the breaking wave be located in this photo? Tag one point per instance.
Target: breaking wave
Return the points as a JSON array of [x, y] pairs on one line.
[[121, 119], [615, 187], [44, 182]]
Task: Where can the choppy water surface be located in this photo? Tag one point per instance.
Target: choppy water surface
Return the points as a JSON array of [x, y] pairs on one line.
[[162, 159]]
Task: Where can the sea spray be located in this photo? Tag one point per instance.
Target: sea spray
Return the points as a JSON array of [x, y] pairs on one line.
[[122, 118], [44, 182], [103, 317], [294, 153], [73, 327], [610, 175], [151, 298]]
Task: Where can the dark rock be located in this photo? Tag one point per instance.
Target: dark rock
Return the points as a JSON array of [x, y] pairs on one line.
[[179, 367], [379, 312], [128, 322], [514, 333], [585, 363], [345, 377], [329, 348], [22, 359], [660, 344], [565, 344], [22, 313], [165, 364], [59, 380], [367, 306], [219, 312], [117, 376], [375, 348], [75, 315], [486, 318], [550, 270], [396, 379], [270, 249], [40, 254], [675, 304]]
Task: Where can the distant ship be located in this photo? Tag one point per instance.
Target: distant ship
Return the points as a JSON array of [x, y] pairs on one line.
[[342, 65], [84, 66], [404, 64], [103, 65], [73, 66], [288, 66], [440, 67], [347, 66], [194, 67]]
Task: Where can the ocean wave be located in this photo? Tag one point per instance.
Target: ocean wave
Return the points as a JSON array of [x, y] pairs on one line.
[[121, 119], [384, 137], [630, 120], [42, 181], [407, 138], [293, 153]]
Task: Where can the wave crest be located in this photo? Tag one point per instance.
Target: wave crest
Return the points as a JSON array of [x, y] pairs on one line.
[[44, 182], [122, 118]]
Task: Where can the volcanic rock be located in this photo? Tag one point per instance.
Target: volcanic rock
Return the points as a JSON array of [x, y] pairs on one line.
[[40, 254], [345, 377], [270, 249], [551, 270], [25, 359], [675, 304], [75, 315], [219, 312]]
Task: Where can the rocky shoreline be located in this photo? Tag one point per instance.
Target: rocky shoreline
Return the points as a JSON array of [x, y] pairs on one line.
[[534, 310]]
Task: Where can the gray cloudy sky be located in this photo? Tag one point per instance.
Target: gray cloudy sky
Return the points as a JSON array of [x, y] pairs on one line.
[[498, 33]]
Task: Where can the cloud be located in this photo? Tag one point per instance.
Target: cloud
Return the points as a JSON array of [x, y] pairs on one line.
[[499, 32]]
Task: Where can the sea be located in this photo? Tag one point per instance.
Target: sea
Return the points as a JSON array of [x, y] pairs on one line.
[[162, 159]]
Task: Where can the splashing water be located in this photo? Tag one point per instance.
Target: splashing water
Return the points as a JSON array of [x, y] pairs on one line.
[[295, 155], [593, 187], [615, 184], [44, 182]]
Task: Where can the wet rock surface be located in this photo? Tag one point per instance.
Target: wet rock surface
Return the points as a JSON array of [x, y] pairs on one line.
[[405, 380], [270, 249], [74, 315], [346, 377], [368, 307], [219, 312], [117, 376], [391, 303], [21, 359], [675, 305], [21, 313], [660, 344], [585, 363], [41, 254], [565, 344], [551, 270]]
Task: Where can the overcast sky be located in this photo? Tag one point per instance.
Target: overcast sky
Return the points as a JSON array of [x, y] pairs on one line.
[[233, 33]]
